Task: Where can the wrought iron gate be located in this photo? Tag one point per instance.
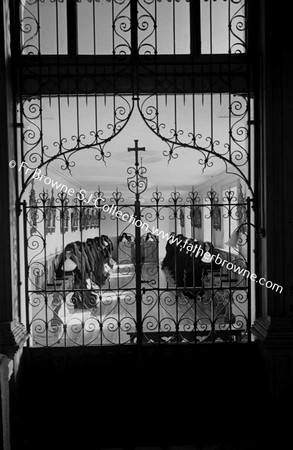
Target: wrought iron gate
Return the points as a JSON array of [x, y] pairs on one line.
[[142, 285], [192, 91]]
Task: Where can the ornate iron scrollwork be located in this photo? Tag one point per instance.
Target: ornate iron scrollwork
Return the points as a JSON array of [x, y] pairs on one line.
[[176, 101], [137, 183], [195, 210], [215, 210], [33, 205]]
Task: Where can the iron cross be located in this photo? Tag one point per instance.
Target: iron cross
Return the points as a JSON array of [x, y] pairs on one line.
[[136, 149]]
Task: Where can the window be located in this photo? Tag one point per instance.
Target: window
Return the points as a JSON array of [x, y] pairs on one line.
[[132, 70]]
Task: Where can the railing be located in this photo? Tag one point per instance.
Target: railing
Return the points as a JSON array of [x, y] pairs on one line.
[[182, 300]]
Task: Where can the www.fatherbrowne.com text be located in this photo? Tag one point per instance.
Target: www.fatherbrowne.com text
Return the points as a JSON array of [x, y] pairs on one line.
[[190, 249]]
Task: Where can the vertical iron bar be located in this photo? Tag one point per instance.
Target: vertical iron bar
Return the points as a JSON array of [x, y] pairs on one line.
[[118, 263], [174, 28], [134, 46], [229, 30], [211, 28], [138, 268], [18, 140], [113, 27], [193, 267], [212, 144], [100, 293], [81, 287], [158, 262], [176, 265], [229, 75], [45, 271], [63, 287], [212, 285], [229, 272], [156, 30], [94, 28], [26, 269], [57, 30], [134, 28], [39, 29], [249, 267], [195, 28], [137, 213], [117, 287], [72, 27], [22, 150]]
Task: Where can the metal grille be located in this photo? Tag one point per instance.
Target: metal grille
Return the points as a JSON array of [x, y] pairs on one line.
[[183, 300], [122, 27], [88, 67]]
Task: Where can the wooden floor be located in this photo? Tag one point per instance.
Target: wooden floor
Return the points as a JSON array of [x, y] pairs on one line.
[[113, 318]]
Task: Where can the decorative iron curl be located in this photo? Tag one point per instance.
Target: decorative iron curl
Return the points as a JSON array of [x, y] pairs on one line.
[[152, 214], [175, 197], [193, 197], [137, 183], [29, 28], [99, 199], [157, 197], [117, 197], [32, 136], [146, 23], [212, 196], [37, 156], [239, 132], [229, 197], [121, 26], [238, 25], [167, 324], [233, 159]]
